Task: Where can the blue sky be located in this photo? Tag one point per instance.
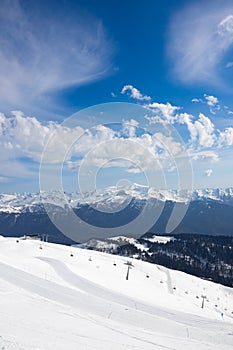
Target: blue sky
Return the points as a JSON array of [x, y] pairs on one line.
[[172, 59]]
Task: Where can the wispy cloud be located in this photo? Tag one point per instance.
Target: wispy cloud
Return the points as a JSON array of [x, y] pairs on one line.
[[43, 51], [199, 38], [211, 101]]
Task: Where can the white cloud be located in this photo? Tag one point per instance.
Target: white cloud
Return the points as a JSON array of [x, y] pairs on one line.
[[165, 111], [135, 156], [43, 52], [205, 131], [226, 137], [129, 127], [201, 131], [205, 156], [197, 100], [134, 93], [208, 172], [22, 140], [212, 101], [167, 144], [22, 136], [204, 135], [199, 38], [25, 137]]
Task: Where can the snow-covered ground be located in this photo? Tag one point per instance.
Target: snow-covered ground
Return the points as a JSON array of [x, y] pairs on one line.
[[60, 297]]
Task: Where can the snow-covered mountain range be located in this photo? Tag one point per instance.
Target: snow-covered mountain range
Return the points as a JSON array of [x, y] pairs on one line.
[[208, 211], [59, 297], [110, 198]]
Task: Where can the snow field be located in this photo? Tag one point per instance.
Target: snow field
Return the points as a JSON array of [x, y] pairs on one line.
[[61, 297]]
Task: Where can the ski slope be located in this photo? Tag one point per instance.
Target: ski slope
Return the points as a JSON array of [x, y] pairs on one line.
[[61, 297]]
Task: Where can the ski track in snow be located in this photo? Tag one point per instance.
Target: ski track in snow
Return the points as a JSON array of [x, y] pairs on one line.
[[67, 296], [106, 318], [159, 320], [169, 280]]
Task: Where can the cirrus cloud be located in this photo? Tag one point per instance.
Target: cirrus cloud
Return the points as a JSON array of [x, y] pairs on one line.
[[43, 51], [200, 36]]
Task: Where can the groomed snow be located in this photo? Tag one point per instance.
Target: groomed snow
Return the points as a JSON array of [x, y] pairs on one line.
[[60, 297]]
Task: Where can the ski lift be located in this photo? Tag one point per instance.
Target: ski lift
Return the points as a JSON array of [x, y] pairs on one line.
[[129, 266]]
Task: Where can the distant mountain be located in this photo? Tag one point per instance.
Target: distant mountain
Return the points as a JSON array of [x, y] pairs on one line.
[[209, 211], [110, 198]]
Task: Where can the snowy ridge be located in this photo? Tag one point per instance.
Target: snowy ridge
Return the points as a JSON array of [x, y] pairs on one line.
[[159, 239], [59, 297], [111, 197], [111, 244]]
